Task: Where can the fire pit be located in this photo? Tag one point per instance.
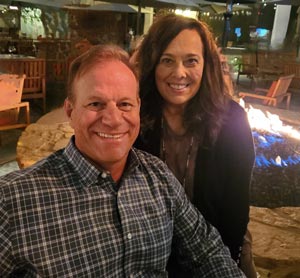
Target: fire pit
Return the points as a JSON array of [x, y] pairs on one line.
[[276, 175]]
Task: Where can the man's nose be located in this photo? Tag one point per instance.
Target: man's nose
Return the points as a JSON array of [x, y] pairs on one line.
[[112, 116]]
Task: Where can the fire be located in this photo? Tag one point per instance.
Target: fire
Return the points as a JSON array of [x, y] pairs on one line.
[[276, 144], [269, 122], [275, 179]]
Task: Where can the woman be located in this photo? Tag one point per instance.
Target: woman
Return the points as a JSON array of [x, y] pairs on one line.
[[189, 120]]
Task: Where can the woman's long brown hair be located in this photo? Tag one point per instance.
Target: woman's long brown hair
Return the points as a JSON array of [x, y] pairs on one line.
[[204, 113]]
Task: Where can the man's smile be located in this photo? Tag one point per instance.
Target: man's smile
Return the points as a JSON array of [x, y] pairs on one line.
[[110, 136]]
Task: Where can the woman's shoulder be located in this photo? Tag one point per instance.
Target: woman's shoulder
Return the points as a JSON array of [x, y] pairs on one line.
[[234, 106], [235, 111], [236, 118]]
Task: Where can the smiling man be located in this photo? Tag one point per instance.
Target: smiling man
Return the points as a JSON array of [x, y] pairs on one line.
[[103, 108], [100, 208]]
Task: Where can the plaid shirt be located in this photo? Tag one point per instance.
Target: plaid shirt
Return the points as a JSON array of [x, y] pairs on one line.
[[63, 217]]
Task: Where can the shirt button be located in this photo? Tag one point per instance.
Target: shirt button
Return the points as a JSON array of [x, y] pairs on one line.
[[103, 175], [129, 236]]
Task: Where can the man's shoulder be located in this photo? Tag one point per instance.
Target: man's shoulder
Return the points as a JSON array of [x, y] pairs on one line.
[[154, 167], [157, 174], [43, 169], [148, 158]]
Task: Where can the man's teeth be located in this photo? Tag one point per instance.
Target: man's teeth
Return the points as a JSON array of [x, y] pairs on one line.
[[110, 136], [178, 86]]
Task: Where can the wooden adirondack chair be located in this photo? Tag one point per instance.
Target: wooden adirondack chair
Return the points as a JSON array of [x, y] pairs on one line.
[[11, 87], [277, 93], [34, 86]]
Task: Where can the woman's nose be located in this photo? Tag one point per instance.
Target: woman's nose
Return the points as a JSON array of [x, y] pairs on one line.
[[179, 70], [112, 116]]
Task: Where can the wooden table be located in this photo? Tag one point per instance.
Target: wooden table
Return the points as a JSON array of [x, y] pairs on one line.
[[49, 134]]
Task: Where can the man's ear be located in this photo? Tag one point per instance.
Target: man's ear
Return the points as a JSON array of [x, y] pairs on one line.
[[139, 103], [68, 107]]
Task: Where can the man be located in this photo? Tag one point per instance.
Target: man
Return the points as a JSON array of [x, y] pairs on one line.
[[100, 208]]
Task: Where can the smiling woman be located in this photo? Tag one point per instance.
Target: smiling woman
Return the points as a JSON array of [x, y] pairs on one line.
[[196, 125]]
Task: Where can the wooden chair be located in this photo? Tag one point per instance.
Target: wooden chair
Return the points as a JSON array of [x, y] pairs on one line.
[[277, 92], [35, 71], [35, 82], [11, 86]]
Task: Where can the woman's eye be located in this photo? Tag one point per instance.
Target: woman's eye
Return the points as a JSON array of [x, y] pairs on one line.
[[191, 62], [166, 61]]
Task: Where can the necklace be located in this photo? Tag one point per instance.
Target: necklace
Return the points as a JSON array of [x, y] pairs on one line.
[[188, 157]]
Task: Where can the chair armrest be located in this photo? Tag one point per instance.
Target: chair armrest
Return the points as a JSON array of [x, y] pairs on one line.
[[7, 107], [287, 94], [263, 90], [244, 94]]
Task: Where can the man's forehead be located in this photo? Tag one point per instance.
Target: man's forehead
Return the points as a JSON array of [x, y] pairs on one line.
[[110, 75]]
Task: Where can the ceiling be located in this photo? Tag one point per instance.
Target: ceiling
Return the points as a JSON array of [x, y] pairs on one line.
[[123, 5]]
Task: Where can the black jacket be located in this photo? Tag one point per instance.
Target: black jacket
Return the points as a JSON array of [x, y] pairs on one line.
[[222, 176]]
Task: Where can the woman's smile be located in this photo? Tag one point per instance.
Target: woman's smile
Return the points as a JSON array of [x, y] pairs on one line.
[[178, 74], [178, 86]]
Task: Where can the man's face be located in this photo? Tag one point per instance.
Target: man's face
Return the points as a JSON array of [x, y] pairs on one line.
[[105, 113]]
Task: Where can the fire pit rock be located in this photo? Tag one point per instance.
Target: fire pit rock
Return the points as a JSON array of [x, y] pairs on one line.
[[276, 241], [276, 175]]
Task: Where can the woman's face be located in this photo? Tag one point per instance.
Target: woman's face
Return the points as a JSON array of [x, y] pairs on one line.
[[179, 72]]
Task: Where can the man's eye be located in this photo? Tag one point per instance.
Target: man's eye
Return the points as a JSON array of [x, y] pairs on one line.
[[125, 106], [95, 106]]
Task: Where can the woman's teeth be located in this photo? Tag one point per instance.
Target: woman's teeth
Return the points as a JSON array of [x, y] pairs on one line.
[[178, 86]]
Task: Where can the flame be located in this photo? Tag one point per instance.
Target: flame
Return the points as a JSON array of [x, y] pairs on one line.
[[269, 122], [276, 133]]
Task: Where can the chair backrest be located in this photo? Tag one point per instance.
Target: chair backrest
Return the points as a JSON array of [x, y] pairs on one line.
[[11, 87], [34, 69], [270, 93], [279, 87], [35, 73], [283, 84]]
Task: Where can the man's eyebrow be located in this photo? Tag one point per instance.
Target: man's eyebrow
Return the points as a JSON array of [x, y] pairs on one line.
[[92, 97], [129, 98]]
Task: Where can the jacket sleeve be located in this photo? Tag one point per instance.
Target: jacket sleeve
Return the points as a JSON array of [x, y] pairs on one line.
[[198, 245], [236, 157]]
